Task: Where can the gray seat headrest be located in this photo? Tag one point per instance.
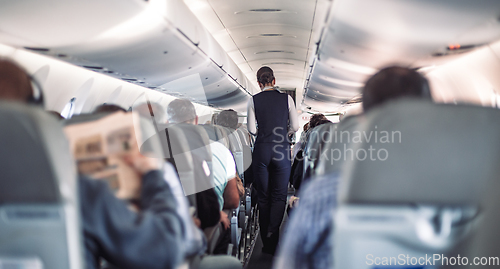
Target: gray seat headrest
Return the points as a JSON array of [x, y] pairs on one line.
[[35, 159], [424, 153]]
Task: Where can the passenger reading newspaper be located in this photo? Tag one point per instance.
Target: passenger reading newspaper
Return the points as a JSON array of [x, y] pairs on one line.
[[99, 148]]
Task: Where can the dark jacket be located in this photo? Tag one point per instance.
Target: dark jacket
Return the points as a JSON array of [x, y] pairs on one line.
[[149, 239]]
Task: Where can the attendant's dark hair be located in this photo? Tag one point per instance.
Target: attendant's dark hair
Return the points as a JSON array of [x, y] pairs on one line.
[[265, 75], [394, 82]]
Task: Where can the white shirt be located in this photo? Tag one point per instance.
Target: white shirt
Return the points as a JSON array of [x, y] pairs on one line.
[[292, 115]]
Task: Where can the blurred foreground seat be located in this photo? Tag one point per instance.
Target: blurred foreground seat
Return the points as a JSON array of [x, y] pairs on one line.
[[419, 191], [39, 223]]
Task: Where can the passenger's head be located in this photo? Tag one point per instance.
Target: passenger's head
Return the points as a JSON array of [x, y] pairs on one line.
[[228, 118], [16, 84], [306, 127], [317, 119], [394, 82], [109, 108], [56, 114], [265, 77], [181, 111]]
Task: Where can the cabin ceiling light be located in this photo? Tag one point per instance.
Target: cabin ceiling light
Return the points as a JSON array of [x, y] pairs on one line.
[[342, 82], [265, 10], [275, 51], [271, 35], [274, 63]]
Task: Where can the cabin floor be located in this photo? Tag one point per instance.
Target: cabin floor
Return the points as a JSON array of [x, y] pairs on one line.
[[261, 260]]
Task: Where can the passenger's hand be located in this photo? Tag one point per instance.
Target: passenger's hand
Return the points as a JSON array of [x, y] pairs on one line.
[[225, 220], [197, 222], [293, 202], [142, 164]]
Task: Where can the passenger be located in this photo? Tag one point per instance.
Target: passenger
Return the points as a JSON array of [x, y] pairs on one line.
[[297, 177], [207, 203], [317, 119], [228, 118], [151, 238], [194, 238], [274, 113], [15, 83], [224, 168], [56, 114], [307, 242]]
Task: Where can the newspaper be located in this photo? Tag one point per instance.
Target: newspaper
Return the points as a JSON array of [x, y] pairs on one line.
[[99, 146]]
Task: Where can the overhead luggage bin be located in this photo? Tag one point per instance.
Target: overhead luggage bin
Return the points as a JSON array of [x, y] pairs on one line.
[[40, 223], [151, 44], [362, 36]]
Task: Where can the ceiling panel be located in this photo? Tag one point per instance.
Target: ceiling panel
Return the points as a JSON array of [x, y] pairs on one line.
[[278, 33], [364, 35]]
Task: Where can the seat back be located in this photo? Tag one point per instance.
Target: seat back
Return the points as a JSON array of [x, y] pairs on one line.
[[335, 140], [39, 227], [246, 148], [244, 137], [236, 148], [316, 142], [216, 133], [419, 191], [481, 247], [199, 146]]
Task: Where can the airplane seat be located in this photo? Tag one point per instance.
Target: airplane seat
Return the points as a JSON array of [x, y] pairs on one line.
[[216, 133], [39, 206], [244, 138], [484, 242], [419, 191], [334, 143], [313, 148], [236, 148], [187, 147]]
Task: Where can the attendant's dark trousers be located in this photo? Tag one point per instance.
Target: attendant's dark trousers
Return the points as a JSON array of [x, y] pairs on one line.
[[271, 165]]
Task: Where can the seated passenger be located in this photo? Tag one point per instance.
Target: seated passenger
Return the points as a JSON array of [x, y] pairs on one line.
[[307, 242], [317, 119], [227, 118], [109, 108], [207, 204], [223, 166], [297, 176], [151, 238]]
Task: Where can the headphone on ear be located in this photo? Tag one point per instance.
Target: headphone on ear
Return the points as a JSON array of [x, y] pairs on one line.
[[36, 97]]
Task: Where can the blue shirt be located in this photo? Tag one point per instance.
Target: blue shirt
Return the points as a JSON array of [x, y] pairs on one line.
[[307, 242]]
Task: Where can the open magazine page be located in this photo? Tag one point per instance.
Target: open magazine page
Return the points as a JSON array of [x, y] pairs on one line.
[[98, 148]]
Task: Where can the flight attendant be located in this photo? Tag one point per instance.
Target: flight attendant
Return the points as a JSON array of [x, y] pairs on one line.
[[271, 116]]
